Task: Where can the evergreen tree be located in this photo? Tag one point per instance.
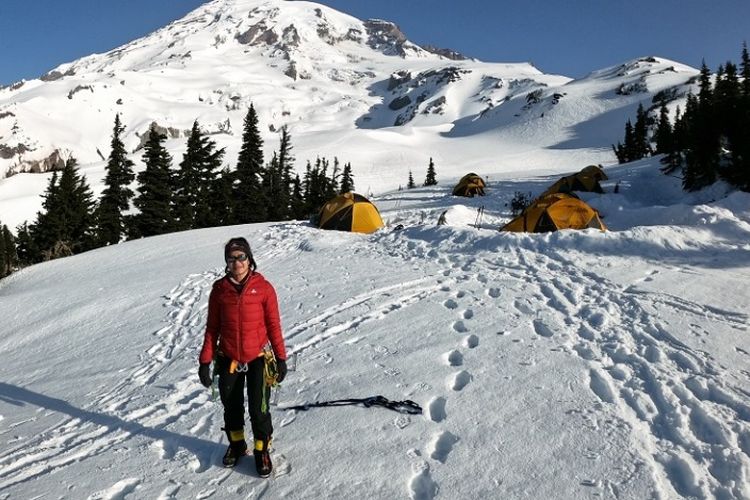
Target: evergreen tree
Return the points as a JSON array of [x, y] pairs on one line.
[[745, 70], [195, 182], [297, 200], [4, 264], [333, 182], [277, 180], [728, 106], [640, 147], [411, 184], [155, 185], [430, 180], [271, 185], [8, 255], [678, 141], [117, 193], [65, 224], [663, 135], [76, 205], [26, 250], [222, 199], [347, 181], [47, 227], [286, 163], [742, 153], [315, 185], [702, 151], [624, 152], [9, 244], [705, 94], [250, 202]]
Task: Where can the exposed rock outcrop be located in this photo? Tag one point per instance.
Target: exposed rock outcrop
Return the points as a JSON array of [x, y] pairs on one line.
[[447, 53]]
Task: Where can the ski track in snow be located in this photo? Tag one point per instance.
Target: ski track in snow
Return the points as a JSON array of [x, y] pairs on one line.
[[122, 411]]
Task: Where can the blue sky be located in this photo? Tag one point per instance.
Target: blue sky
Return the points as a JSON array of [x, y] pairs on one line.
[[570, 38]]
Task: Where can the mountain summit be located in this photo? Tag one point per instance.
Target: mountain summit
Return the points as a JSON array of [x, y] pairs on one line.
[[358, 90]]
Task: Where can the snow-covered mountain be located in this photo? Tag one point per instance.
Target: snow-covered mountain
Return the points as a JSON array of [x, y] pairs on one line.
[[354, 89], [568, 365]]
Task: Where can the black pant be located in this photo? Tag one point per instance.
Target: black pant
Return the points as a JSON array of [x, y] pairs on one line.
[[231, 391]]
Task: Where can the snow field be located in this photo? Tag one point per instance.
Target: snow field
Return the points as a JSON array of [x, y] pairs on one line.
[[562, 365]]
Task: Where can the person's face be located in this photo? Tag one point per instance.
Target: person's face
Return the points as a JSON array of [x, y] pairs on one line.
[[239, 263]]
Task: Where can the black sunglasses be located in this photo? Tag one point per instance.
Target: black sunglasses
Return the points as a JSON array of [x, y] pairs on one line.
[[241, 258]]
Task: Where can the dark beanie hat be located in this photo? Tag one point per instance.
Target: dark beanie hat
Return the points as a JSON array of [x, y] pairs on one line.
[[239, 244]]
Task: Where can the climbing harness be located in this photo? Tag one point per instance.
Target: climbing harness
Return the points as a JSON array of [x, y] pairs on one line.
[[407, 406], [236, 366]]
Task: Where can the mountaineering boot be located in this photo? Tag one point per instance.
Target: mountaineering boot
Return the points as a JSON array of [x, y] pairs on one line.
[[263, 463], [237, 448]]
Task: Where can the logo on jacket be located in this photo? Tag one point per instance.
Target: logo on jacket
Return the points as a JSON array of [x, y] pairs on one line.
[[253, 290]]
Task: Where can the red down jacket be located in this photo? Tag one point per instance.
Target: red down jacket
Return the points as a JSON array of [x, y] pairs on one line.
[[241, 324]]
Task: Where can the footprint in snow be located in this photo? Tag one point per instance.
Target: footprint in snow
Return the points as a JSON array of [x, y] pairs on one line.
[[542, 329], [454, 358], [436, 409], [460, 327], [442, 445], [471, 341], [468, 314], [421, 485], [450, 304], [459, 380]]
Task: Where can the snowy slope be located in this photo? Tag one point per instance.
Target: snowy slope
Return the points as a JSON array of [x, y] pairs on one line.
[[565, 365], [358, 90]]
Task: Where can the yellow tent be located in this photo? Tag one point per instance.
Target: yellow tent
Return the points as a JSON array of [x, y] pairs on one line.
[[594, 171], [575, 182], [469, 186], [553, 212], [350, 212]]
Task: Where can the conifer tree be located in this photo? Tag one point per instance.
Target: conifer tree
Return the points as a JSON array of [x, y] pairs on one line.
[[678, 141], [702, 151], [65, 224], [347, 181], [77, 206], [26, 250], [155, 185], [8, 254], [117, 193], [286, 164], [705, 93], [4, 264], [277, 180], [271, 184], [742, 155], [431, 179], [195, 182], [222, 199], [411, 184], [47, 227], [728, 106], [640, 147], [624, 152], [250, 201], [745, 70], [333, 182], [297, 200], [663, 135]]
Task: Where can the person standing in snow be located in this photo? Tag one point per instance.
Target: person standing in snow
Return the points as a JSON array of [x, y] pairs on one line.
[[243, 319]]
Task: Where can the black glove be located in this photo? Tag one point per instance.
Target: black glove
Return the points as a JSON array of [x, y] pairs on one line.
[[204, 373], [281, 370]]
